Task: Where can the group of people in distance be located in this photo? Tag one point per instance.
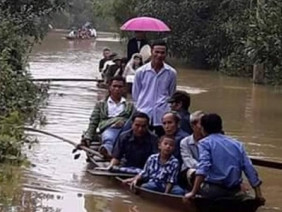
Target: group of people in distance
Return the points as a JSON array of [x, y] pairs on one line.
[[169, 149], [112, 65]]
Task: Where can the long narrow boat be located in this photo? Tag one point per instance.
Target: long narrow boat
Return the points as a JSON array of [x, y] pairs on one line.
[[199, 204], [248, 204]]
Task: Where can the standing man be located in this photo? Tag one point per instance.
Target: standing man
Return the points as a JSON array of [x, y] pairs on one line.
[[135, 44], [110, 116], [153, 84], [221, 163]]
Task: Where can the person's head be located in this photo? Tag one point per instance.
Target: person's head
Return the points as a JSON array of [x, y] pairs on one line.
[[106, 53], [170, 122], [195, 123], [140, 35], [137, 60], [116, 87], [211, 123], [166, 145], [140, 124], [159, 51], [180, 100]]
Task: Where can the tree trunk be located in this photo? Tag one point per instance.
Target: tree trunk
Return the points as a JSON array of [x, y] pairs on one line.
[[258, 74]]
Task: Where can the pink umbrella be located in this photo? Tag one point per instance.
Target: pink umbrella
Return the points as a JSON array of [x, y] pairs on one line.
[[145, 24]]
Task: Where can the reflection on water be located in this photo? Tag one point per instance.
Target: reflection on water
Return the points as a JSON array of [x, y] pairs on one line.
[[57, 182]]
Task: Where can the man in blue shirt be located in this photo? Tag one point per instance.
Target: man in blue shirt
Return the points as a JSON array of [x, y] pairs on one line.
[[134, 147], [221, 163], [153, 84]]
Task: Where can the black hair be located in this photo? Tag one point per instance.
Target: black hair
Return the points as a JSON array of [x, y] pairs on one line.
[[166, 136], [140, 115], [184, 97], [212, 123], [158, 43], [106, 49], [176, 116], [117, 78]]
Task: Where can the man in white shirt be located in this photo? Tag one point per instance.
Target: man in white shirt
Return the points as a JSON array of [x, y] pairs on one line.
[[189, 149], [110, 116]]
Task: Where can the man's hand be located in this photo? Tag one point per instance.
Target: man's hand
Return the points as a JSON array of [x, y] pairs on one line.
[[261, 199], [189, 196], [83, 142]]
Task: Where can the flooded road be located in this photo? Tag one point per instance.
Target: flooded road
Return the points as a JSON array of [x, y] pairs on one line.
[[56, 182]]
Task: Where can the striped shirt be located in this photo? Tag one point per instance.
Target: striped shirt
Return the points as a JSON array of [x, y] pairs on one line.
[[157, 172]]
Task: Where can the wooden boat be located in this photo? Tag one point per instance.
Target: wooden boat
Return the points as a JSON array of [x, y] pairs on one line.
[[199, 204], [78, 38]]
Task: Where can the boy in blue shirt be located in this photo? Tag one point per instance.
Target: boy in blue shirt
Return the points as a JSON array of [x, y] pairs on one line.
[[161, 170]]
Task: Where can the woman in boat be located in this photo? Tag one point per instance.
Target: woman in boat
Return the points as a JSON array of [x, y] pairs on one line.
[[130, 70], [161, 170], [171, 125], [134, 63]]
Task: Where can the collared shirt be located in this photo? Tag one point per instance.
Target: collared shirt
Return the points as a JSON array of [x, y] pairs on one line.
[[114, 109], [222, 160], [189, 152], [135, 151], [157, 172], [151, 90]]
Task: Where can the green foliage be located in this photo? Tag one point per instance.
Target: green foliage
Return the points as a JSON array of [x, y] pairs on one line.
[[75, 14], [21, 24], [230, 36], [11, 138], [265, 39]]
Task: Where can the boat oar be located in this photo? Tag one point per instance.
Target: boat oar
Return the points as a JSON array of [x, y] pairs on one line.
[[86, 149], [266, 163]]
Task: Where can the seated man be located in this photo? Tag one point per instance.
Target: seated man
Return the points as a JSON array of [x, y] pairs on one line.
[[189, 149], [109, 116], [221, 163], [136, 145], [171, 127], [106, 57], [161, 170], [180, 102]]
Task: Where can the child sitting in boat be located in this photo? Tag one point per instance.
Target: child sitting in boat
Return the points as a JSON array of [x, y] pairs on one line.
[[161, 170]]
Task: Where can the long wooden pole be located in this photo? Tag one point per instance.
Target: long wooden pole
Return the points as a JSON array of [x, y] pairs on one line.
[[256, 161], [86, 149], [66, 80]]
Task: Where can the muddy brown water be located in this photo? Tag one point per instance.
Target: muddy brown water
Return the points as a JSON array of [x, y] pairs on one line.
[[56, 182]]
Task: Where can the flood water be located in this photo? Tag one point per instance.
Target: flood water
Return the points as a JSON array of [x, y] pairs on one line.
[[56, 182]]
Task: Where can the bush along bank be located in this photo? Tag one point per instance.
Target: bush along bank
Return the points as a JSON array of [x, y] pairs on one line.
[[22, 24]]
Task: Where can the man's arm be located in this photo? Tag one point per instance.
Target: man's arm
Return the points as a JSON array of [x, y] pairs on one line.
[[168, 188], [252, 175], [172, 86], [137, 86], [198, 181], [94, 122], [114, 162]]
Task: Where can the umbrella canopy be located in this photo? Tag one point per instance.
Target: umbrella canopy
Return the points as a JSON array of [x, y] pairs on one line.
[[148, 24]]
